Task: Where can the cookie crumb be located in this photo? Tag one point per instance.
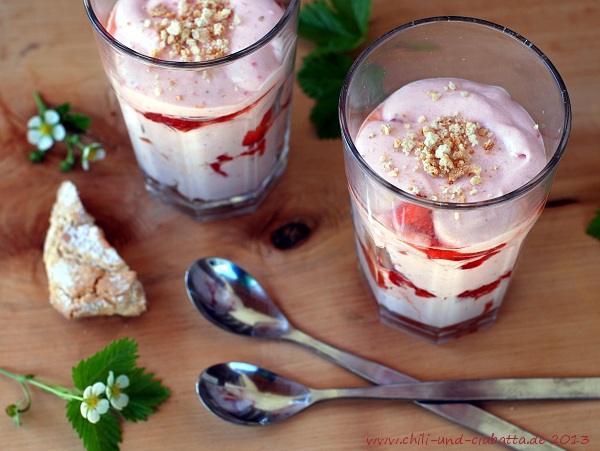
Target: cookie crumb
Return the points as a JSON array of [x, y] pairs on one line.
[[446, 148], [434, 95], [194, 31]]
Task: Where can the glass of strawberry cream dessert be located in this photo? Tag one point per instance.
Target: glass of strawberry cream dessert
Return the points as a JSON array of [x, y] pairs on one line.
[[453, 129], [205, 88]]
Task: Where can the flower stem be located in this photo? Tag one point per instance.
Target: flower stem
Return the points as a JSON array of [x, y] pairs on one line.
[[58, 390], [41, 106]]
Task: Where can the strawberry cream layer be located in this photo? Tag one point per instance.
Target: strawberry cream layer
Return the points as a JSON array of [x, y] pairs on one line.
[[454, 141], [210, 133]]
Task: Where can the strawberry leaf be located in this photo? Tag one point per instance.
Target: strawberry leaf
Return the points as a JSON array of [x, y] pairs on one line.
[[119, 356], [105, 435], [593, 228], [145, 394], [337, 28]]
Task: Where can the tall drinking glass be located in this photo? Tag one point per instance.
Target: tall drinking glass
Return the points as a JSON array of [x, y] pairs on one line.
[[207, 101], [438, 266]]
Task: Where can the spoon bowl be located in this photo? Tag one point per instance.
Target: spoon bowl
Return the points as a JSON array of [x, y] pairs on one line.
[[233, 300], [248, 395]]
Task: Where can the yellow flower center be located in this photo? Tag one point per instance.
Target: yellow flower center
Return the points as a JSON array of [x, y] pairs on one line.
[[92, 402], [115, 390], [46, 129]]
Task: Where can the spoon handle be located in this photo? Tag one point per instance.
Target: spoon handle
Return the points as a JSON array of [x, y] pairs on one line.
[[518, 389], [467, 415]]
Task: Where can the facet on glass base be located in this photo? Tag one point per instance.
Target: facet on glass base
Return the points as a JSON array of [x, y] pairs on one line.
[[437, 335]]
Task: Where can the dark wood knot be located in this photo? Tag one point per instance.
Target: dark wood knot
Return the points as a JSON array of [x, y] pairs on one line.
[[290, 235]]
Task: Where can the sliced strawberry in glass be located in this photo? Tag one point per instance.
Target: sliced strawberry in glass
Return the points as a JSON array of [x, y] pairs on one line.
[[414, 222]]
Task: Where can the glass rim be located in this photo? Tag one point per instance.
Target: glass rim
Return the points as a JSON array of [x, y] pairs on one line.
[[519, 192], [283, 21]]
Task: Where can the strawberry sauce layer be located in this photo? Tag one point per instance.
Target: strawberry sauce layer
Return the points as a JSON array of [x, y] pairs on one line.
[[484, 289], [379, 274], [415, 220]]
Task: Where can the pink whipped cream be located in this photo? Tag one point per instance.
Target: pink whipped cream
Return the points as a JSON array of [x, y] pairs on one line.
[[206, 134], [441, 272], [502, 148], [138, 25]]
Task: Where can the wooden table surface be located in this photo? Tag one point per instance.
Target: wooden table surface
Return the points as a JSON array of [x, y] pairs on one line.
[[548, 325]]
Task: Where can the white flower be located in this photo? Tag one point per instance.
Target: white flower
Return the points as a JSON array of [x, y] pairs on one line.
[[44, 130], [114, 390], [91, 152], [93, 406]]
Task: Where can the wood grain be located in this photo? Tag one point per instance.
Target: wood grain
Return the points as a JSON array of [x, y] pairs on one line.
[[548, 325]]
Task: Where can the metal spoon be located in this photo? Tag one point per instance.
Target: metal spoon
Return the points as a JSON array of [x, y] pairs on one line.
[[246, 394], [233, 300]]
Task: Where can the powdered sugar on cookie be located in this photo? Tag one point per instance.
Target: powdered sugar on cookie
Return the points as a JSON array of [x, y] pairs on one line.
[[86, 275]]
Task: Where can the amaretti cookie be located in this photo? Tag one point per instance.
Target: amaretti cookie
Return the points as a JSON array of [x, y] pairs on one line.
[[86, 275]]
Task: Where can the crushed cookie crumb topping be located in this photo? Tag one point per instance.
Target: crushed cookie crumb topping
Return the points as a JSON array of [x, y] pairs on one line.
[[386, 129], [452, 141], [445, 146], [387, 165], [195, 31], [434, 95]]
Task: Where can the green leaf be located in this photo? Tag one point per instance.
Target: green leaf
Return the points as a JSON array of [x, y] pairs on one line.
[[78, 121], [340, 27], [37, 156], [145, 394], [336, 27], [322, 75], [119, 356], [324, 116], [63, 110], [594, 226], [105, 435], [357, 12], [144, 391]]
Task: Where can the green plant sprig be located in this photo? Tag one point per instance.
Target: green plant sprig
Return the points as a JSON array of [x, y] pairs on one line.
[[100, 401], [53, 125]]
